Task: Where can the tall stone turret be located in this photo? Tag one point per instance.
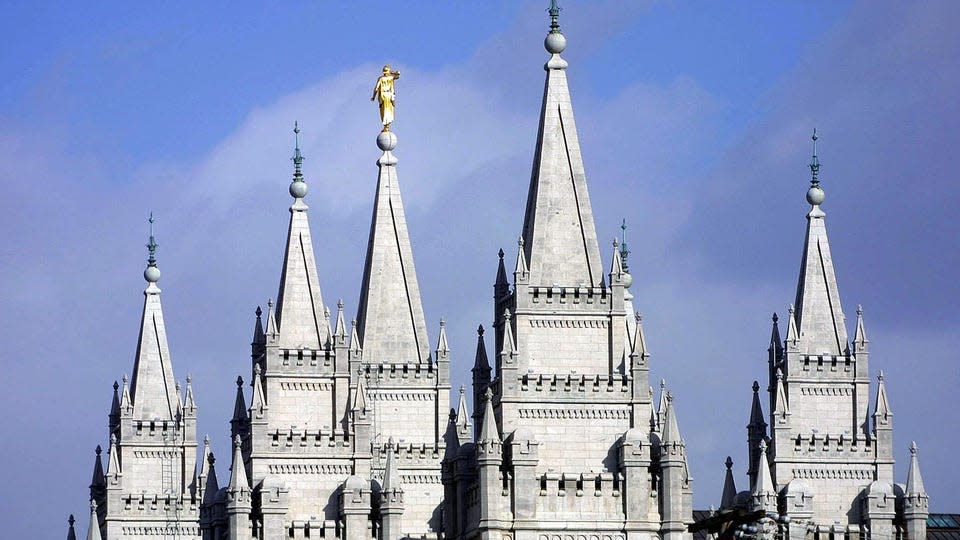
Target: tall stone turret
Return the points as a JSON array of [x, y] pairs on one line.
[[565, 445], [831, 470], [153, 435]]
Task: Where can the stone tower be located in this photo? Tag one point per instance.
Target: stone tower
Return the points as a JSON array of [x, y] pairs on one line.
[[829, 465], [148, 489], [569, 444], [340, 424]]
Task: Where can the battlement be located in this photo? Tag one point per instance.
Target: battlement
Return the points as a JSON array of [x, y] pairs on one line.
[[158, 505], [314, 528], [569, 295], [307, 439], [406, 370], [152, 431], [412, 451], [555, 484], [574, 383], [827, 446], [315, 358], [827, 363]]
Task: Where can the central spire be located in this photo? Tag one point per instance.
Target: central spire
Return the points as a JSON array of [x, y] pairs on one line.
[[152, 388], [390, 317], [299, 312], [560, 240], [819, 314]]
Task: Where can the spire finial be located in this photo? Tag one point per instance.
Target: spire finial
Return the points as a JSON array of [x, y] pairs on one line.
[[554, 17], [298, 188], [555, 43], [756, 387], [913, 448], [624, 250], [815, 194], [729, 463], [152, 273]]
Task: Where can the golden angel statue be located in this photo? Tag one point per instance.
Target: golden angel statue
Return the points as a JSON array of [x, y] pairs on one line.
[[385, 93]]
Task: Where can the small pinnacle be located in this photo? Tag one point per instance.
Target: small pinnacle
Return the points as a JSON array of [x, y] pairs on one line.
[[480, 330], [442, 322], [113, 439], [259, 312], [239, 381], [211, 459], [99, 450], [779, 374], [763, 446], [791, 309], [488, 394], [93, 505], [326, 312], [638, 316], [115, 386], [340, 304], [880, 376], [206, 440], [775, 318], [500, 253], [756, 387], [729, 462], [616, 242], [256, 369], [461, 389], [71, 520], [913, 448], [124, 379], [236, 441], [506, 314], [520, 241], [189, 378], [859, 309], [669, 396], [663, 384]]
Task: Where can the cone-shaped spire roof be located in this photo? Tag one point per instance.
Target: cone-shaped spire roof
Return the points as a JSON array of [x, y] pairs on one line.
[[209, 471], [272, 328], [560, 239], [914, 479], [860, 335], [463, 417], [488, 428], [780, 406], [113, 460], [153, 388], [98, 479], [390, 315], [819, 315], [258, 336], [671, 428], [776, 344], [729, 487], [71, 533], [391, 474], [764, 487], [756, 411], [239, 404], [882, 409], [341, 329], [238, 473], [662, 405], [481, 363], [93, 533], [189, 401], [299, 314], [442, 346], [359, 405]]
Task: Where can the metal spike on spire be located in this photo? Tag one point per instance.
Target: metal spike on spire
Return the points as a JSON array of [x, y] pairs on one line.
[[297, 156], [814, 162], [554, 16], [624, 250], [152, 244]]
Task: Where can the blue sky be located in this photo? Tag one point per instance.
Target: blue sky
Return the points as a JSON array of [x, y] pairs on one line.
[[694, 120]]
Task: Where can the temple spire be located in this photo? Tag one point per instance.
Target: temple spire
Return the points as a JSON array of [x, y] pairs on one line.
[[560, 239], [390, 316], [914, 485], [299, 313], [152, 388], [93, 533], [819, 315], [71, 533]]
